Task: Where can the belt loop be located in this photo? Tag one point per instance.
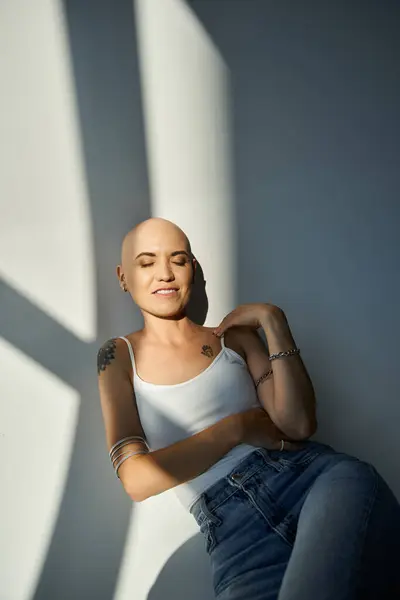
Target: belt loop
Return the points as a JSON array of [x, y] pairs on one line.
[[207, 513]]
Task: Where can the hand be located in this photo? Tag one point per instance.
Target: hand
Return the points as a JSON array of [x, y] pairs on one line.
[[249, 315], [255, 427]]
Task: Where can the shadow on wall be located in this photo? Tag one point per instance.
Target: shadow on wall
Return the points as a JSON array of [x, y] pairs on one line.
[[198, 305], [316, 147], [90, 535], [184, 575], [88, 538]]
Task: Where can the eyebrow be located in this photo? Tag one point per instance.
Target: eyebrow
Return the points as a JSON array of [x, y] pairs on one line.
[[176, 253]]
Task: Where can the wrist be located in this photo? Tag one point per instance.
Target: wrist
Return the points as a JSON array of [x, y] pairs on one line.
[[271, 315]]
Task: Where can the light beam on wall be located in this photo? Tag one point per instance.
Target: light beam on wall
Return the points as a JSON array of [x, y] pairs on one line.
[[46, 238], [46, 255], [38, 417], [185, 88]]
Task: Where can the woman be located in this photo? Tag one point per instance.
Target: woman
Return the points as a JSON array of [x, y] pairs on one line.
[[225, 423]]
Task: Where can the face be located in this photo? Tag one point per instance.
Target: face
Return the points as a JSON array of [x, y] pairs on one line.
[[157, 268]]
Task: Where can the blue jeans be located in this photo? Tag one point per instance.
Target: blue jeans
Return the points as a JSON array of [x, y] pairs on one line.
[[310, 524]]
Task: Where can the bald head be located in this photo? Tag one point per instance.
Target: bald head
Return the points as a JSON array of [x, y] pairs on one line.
[[157, 252], [152, 233]]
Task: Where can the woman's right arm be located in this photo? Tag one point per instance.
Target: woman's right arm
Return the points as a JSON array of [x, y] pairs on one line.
[[145, 475]]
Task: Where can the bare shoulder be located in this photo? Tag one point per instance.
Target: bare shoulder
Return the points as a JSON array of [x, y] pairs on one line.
[[114, 351], [204, 329], [106, 354]]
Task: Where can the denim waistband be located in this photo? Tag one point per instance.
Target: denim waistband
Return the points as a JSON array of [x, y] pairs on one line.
[[260, 458]]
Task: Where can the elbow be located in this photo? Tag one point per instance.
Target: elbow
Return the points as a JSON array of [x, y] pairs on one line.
[[308, 428], [298, 430], [134, 488], [307, 424], [137, 479], [143, 481], [138, 492], [137, 496], [301, 429]]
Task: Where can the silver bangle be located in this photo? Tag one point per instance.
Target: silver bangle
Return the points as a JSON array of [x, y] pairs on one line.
[[117, 466], [114, 459], [284, 354], [282, 445], [127, 440]]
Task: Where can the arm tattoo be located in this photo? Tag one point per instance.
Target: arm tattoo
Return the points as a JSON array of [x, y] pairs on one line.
[[105, 355], [207, 351]]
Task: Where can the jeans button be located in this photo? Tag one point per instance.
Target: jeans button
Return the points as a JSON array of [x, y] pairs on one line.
[[236, 476]]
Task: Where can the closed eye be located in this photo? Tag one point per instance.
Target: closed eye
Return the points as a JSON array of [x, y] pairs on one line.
[[180, 264]]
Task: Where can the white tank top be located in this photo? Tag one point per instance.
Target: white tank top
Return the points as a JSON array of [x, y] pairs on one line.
[[170, 413]]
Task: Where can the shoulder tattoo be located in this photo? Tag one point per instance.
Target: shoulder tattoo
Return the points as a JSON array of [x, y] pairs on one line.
[[105, 355], [207, 351]]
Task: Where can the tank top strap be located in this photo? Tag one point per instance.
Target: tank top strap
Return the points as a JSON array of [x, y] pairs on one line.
[[231, 352], [130, 352], [222, 338]]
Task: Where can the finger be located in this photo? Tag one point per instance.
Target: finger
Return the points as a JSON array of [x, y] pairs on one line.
[[220, 329], [227, 322]]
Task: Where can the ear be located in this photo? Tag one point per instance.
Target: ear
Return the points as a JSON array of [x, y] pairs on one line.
[[120, 274]]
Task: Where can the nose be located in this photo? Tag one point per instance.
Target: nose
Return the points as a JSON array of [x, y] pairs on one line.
[[164, 272]]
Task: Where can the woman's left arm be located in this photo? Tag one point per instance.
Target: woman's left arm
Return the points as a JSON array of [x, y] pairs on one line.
[[287, 394]]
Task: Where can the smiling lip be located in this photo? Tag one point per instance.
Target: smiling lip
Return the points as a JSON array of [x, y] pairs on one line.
[[166, 292]]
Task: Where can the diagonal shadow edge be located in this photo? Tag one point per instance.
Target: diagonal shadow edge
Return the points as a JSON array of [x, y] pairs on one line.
[[44, 331]]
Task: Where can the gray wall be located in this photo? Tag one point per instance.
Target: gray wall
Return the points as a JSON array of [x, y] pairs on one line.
[[316, 97]]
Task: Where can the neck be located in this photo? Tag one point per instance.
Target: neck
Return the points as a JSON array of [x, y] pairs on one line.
[[169, 331]]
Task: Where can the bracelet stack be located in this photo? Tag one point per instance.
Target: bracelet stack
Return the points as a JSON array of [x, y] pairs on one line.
[[274, 357], [116, 459]]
